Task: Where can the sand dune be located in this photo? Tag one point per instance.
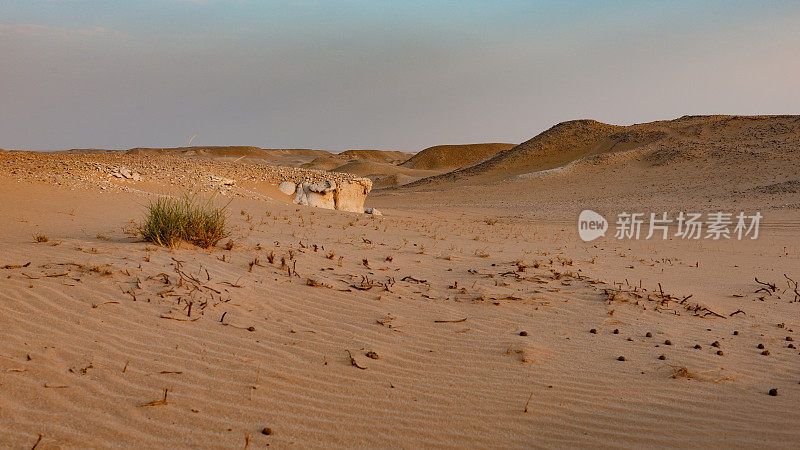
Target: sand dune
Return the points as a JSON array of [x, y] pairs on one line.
[[662, 142], [449, 157]]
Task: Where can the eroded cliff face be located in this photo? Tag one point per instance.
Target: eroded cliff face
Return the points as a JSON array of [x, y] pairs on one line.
[[342, 196]]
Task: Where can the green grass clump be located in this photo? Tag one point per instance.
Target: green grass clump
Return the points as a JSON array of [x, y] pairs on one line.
[[171, 220]]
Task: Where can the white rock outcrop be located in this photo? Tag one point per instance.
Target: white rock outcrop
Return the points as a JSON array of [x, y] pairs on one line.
[[287, 187], [342, 196]]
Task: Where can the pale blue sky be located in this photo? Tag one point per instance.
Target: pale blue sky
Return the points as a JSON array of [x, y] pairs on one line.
[[379, 74]]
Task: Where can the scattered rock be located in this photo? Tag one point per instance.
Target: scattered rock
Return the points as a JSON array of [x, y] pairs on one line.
[[222, 181], [773, 392], [621, 358], [523, 333]]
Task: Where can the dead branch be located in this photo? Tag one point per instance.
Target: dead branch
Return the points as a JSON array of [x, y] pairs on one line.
[[450, 321]]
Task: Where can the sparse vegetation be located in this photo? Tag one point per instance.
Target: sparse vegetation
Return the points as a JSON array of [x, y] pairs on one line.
[[40, 238], [171, 220]]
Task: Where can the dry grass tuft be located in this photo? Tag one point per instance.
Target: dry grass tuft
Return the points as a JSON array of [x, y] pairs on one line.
[[171, 220], [40, 238]]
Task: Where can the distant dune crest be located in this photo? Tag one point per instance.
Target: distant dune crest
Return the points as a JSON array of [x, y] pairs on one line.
[[453, 156]]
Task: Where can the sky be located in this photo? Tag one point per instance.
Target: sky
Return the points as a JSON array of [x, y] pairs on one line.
[[379, 74]]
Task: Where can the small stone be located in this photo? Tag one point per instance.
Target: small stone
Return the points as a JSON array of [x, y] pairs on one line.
[[649, 334], [667, 342], [789, 338], [266, 431], [621, 358], [697, 346], [790, 346], [719, 352], [593, 331], [765, 353], [760, 346], [616, 331], [715, 344], [251, 328], [662, 357], [523, 333], [372, 355], [773, 392], [735, 333]]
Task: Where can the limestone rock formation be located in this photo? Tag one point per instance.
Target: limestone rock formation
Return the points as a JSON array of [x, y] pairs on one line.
[[342, 196]]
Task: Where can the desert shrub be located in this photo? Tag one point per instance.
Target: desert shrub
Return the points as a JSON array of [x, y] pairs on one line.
[[171, 220]]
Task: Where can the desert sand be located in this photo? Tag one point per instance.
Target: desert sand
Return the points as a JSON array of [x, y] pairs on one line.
[[469, 314]]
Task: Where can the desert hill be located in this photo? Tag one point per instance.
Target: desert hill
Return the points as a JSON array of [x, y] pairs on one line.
[[333, 161], [288, 157], [450, 157], [388, 157], [657, 143], [383, 175]]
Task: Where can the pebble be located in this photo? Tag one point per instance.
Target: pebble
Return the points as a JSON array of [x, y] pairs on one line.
[[662, 357], [616, 331], [266, 431], [621, 358], [715, 344], [697, 346], [719, 352], [667, 342], [593, 331], [760, 346], [523, 333], [773, 392], [765, 353], [649, 334], [735, 333]]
